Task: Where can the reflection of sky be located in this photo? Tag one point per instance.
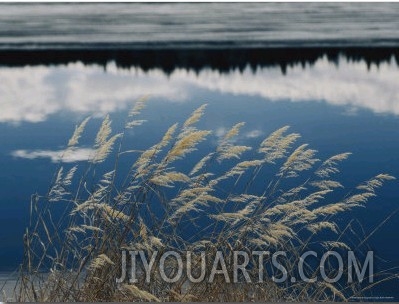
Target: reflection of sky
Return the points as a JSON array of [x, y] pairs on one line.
[[40, 105], [33, 93]]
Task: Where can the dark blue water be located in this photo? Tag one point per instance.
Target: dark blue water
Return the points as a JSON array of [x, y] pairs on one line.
[[336, 108], [337, 102]]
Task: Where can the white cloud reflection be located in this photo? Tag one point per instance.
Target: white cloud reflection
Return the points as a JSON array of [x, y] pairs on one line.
[[65, 156], [253, 134], [221, 131], [33, 93]]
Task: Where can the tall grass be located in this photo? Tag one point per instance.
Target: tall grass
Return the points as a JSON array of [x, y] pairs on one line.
[[72, 247]]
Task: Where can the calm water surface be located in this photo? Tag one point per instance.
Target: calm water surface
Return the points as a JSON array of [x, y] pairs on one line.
[[235, 24], [336, 108]]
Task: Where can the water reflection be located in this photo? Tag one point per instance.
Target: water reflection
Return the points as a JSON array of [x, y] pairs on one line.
[[40, 105], [66, 156], [32, 94]]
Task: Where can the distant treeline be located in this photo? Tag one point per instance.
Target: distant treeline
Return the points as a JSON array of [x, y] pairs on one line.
[[222, 59]]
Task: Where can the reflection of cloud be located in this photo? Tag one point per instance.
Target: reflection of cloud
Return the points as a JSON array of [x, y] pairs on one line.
[[350, 84], [253, 134], [220, 132], [33, 93], [68, 156]]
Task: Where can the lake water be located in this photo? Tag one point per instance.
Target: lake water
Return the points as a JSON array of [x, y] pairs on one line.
[[216, 24], [340, 93]]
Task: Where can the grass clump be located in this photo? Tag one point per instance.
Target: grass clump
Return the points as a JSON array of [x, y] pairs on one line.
[[79, 229]]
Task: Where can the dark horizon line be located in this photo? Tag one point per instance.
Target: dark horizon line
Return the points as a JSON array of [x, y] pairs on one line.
[[223, 59]]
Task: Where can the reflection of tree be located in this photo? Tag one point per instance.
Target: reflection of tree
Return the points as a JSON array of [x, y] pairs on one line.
[[222, 59]]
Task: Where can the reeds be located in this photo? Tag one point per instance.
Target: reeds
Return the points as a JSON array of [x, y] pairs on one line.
[[75, 254]]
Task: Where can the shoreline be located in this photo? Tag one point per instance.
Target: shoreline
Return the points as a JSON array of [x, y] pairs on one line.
[[222, 59]]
